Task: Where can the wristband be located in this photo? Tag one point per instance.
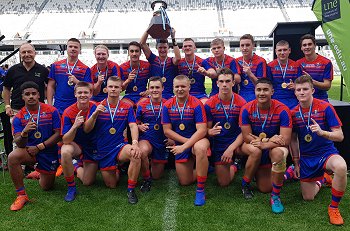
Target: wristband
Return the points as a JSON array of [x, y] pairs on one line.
[[24, 134], [174, 42]]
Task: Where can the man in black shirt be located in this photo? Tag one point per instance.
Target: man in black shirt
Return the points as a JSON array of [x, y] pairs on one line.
[[27, 70]]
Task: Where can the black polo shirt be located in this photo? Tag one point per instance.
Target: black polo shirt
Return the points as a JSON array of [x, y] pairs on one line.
[[18, 74]]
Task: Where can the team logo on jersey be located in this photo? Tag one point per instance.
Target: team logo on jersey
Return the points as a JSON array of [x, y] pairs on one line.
[[37, 74]]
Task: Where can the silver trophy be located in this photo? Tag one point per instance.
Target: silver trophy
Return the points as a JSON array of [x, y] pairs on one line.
[[159, 27]]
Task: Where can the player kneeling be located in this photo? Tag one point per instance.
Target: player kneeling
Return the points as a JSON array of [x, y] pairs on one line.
[[107, 123], [36, 130], [317, 127]]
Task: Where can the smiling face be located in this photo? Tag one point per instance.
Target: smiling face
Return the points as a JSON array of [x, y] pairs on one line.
[[188, 47], [246, 46], [308, 47], [163, 49], [27, 53], [83, 94], [263, 92], [156, 88], [101, 55], [181, 88]]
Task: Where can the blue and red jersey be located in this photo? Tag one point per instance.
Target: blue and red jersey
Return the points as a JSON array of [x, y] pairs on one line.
[[228, 62], [167, 70], [214, 109], [145, 114], [49, 122], [64, 94], [143, 74], [105, 141], [185, 67], [319, 69], [193, 113], [325, 115], [112, 69], [258, 67], [68, 118], [282, 74], [277, 116]]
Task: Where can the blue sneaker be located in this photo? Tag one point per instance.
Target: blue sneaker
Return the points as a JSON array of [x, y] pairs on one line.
[[71, 193], [200, 198], [276, 205]]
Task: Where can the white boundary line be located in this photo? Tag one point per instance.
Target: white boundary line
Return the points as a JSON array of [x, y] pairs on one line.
[[171, 202]]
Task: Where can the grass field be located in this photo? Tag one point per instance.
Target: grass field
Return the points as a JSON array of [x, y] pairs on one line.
[[167, 207]]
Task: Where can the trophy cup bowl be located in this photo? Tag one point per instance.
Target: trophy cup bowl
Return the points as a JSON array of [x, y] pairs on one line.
[[159, 27]]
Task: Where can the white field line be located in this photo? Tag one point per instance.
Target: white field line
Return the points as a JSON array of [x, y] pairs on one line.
[[169, 215]]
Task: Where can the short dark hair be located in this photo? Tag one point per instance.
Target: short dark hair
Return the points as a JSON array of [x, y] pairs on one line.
[[264, 80], [115, 79], [225, 71], [247, 36], [307, 36], [282, 43], [188, 39], [134, 43], [155, 78], [74, 40], [159, 41], [29, 84]]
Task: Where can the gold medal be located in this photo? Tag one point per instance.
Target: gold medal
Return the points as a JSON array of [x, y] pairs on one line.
[[245, 82], [156, 127], [262, 135], [105, 90], [227, 125], [284, 85], [193, 80], [134, 88], [70, 83], [308, 138], [112, 131], [182, 127], [37, 135], [163, 79]]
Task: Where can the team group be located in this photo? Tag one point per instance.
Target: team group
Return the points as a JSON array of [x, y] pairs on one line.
[[258, 110]]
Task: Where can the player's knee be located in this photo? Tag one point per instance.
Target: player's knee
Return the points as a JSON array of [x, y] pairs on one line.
[[67, 151], [88, 181], [308, 197], [13, 159], [340, 169], [111, 184], [223, 182], [135, 161], [185, 182], [200, 150]]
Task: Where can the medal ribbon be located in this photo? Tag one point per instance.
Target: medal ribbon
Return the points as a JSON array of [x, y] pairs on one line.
[[137, 73], [263, 124], [178, 108], [37, 117], [308, 119], [283, 71], [229, 110], [110, 111], [163, 66], [191, 69], [160, 109], [106, 73], [222, 64], [70, 71]]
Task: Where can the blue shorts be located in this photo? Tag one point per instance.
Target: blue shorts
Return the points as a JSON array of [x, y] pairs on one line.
[[312, 167], [184, 157], [159, 153], [47, 163], [106, 162], [265, 161]]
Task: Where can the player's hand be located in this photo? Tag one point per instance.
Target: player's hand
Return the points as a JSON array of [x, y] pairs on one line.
[[31, 125], [169, 142], [9, 112], [297, 171], [32, 150], [278, 139], [143, 127], [79, 120], [291, 85], [100, 108], [173, 31], [246, 69], [305, 73], [315, 128], [216, 130], [178, 149], [227, 156], [100, 79], [135, 151], [145, 93], [131, 75], [72, 79], [202, 70]]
